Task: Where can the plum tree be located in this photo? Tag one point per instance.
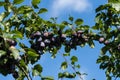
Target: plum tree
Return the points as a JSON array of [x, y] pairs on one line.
[[23, 22]]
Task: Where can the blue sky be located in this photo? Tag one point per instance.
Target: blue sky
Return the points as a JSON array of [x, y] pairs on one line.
[[84, 9]]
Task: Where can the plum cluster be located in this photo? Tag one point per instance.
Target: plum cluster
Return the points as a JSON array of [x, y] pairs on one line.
[[7, 62], [48, 40], [102, 40]]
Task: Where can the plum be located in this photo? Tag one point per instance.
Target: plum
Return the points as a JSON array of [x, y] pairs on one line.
[[101, 39], [46, 34], [11, 42], [80, 32], [47, 41], [35, 35], [106, 42], [42, 44], [15, 74]]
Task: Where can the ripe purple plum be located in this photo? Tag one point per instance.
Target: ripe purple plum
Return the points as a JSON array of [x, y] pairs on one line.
[[101, 40]]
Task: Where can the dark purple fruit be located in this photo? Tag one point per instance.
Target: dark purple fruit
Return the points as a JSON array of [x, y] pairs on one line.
[[50, 34], [15, 74], [119, 47], [86, 39], [47, 41], [60, 32], [101, 40], [53, 39], [11, 42], [40, 39], [80, 32], [42, 44], [1, 39], [35, 35], [63, 35], [46, 34], [106, 42]]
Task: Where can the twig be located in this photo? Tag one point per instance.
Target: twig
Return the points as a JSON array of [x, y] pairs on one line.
[[71, 66]]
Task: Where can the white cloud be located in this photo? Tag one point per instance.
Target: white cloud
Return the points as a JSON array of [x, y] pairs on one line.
[[59, 6]]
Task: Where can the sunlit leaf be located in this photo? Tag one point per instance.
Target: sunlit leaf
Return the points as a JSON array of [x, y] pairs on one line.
[[78, 21], [15, 53], [3, 15], [42, 10], [17, 1], [37, 70], [74, 59], [113, 1], [35, 3], [2, 53], [47, 78], [64, 65], [17, 34]]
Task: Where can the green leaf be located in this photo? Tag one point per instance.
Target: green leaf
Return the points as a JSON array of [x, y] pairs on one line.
[[32, 53], [17, 34], [32, 56], [2, 53], [7, 35], [113, 1], [35, 3], [101, 7], [104, 50], [67, 49], [17, 1], [3, 16], [78, 66], [91, 44], [37, 70], [60, 75], [78, 22], [71, 18], [24, 9], [42, 10], [66, 54], [69, 75], [116, 6], [65, 23], [74, 59], [15, 53], [64, 65], [2, 3], [47, 78]]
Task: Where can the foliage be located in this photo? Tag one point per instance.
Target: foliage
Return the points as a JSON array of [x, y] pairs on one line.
[[22, 22]]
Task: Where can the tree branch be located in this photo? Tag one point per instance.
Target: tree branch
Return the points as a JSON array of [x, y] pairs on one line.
[[26, 74]]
